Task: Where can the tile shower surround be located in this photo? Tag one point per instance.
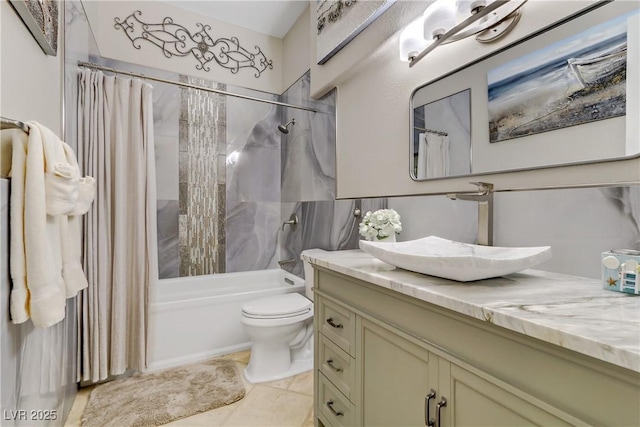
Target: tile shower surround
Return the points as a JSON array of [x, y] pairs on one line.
[[257, 169]]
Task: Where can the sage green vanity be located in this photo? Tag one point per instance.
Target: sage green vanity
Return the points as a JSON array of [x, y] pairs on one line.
[[397, 348]]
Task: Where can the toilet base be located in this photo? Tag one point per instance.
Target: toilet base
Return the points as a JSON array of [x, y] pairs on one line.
[[297, 367]]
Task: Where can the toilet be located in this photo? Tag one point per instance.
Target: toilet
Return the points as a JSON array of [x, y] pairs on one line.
[[281, 331]]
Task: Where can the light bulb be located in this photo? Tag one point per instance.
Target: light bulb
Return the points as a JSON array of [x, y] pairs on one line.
[[411, 41], [439, 18], [468, 7]]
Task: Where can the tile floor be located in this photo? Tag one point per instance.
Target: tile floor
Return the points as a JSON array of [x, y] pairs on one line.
[[287, 402]]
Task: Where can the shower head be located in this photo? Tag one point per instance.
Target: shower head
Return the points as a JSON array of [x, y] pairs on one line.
[[283, 128]]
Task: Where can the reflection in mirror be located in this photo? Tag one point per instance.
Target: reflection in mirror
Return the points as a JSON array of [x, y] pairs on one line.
[[442, 137], [560, 97]]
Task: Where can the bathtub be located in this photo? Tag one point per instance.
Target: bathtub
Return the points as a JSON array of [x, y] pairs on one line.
[[196, 318]]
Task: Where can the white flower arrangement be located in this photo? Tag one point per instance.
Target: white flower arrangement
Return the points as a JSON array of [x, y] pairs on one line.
[[380, 224]]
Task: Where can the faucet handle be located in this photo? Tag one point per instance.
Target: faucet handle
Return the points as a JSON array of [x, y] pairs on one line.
[[484, 187], [293, 221]]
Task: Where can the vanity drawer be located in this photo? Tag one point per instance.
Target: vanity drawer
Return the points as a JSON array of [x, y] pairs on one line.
[[337, 366], [333, 405], [338, 324]]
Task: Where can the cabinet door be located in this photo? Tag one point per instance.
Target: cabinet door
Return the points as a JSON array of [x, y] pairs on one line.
[[475, 401], [395, 378]]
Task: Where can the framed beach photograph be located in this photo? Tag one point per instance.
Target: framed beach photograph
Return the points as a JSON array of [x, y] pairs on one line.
[[41, 18], [576, 80], [340, 21]]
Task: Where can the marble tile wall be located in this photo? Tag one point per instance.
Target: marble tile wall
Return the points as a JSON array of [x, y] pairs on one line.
[[329, 225], [253, 184], [166, 117], [309, 149], [578, 224]]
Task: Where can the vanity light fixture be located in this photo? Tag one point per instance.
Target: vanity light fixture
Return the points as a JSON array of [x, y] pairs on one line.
[[446, 21]]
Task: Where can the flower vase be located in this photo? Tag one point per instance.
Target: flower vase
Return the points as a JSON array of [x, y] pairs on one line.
[[391, 238]]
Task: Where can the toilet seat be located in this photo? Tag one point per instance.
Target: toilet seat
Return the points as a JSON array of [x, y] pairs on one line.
[[277, 307]]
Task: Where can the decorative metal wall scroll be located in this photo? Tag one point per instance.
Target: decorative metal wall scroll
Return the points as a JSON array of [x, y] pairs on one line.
[[332, 10], [175, 40]]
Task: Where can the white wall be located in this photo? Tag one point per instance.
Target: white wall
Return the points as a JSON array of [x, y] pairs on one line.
[[30, 82], [295, 51], [374, 89], [114, 44]]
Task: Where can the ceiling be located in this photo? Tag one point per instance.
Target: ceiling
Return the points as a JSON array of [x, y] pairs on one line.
[[272, 17]]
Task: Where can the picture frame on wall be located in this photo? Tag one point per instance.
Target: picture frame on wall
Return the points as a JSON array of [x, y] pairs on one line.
[[41, 18], [340, 21], [576, 80]]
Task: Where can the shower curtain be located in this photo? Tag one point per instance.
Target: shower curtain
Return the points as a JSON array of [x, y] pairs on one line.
[[115, 145], [433, 155]]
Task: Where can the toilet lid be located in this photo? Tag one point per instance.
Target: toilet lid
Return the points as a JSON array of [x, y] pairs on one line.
[[285, 305]]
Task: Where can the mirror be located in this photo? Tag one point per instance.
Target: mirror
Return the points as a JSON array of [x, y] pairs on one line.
[[559, 97], [442, 137]]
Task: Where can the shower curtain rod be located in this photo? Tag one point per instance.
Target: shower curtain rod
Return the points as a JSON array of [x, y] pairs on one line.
[[6, 123], [437, 132], [187, 85]]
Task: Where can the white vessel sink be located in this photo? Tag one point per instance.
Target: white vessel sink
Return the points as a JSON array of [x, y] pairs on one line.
[[463, 262]]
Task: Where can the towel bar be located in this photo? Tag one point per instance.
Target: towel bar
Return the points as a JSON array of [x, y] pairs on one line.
[[13, 124]]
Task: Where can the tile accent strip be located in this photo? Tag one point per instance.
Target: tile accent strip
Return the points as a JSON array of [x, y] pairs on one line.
[[202, 180]]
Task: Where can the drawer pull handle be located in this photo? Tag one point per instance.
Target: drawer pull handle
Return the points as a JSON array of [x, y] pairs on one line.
[[428, 421], [332, 366], [333, 411], [333, 324], [443, 402]]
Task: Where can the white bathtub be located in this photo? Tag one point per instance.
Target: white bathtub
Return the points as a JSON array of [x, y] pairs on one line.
[[196, 318]]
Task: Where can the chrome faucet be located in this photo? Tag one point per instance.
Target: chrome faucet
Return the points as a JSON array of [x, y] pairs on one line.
[[287, 261], [293, 221], [484, 197]]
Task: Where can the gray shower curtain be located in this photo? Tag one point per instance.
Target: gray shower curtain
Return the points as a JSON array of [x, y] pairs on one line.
[[115, 145]]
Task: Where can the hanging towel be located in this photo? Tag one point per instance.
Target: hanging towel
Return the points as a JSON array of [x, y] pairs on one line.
[[41, 238], [70, 232], [45, 248], [61, 174], [19, 300]]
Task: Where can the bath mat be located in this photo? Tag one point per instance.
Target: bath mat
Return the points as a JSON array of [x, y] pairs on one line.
[[158, 398]]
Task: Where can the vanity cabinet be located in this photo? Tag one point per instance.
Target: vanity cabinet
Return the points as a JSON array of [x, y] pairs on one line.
[[387, 359]]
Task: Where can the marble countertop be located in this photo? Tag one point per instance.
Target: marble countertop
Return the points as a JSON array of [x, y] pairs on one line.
[[572, 312]]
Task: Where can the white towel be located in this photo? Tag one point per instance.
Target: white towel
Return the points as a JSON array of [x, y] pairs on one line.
[[61, 189], [41, 236], [6, 145], [19, 305], [86, 194], [45, 248], [72, 273], [70, 233], [61, 175]]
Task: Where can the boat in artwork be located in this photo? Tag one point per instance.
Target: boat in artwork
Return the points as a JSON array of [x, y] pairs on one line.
[[589, 70]]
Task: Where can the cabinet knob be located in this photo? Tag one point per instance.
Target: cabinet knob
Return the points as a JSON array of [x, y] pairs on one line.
[[439, 406], [428, 421], [333, 411], [332, 366], [334, 324]]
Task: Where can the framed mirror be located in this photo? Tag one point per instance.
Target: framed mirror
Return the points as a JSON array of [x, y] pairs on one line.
[[566, 95]]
